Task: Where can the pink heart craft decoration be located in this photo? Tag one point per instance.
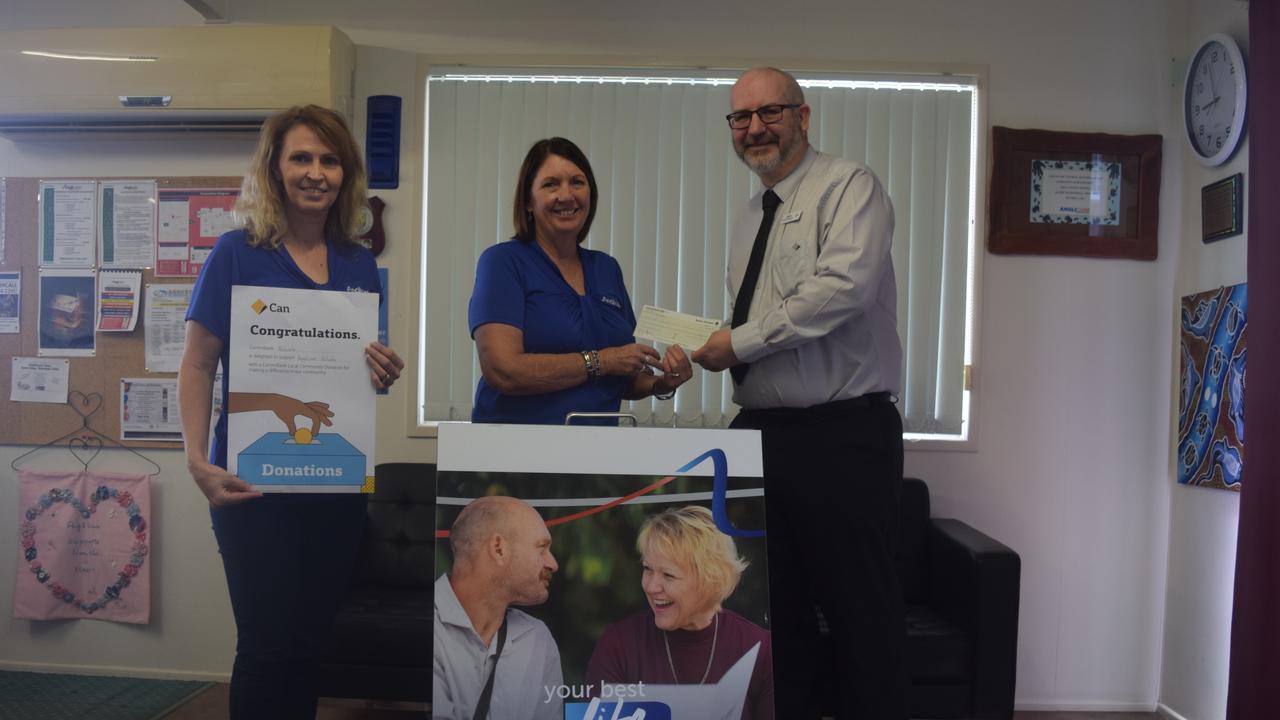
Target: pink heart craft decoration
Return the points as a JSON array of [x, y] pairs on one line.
[[138, 552]]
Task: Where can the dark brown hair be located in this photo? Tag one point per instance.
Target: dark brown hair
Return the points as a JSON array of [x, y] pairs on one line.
[[538, 154]]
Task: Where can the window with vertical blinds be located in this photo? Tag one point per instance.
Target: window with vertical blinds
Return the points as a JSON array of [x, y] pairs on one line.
[[670, 184]]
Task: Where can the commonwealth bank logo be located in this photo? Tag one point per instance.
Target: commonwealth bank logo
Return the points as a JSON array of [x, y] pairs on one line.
[[258, 306]]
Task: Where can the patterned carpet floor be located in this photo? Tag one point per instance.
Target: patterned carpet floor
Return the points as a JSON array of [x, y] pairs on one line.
[[46, 696]]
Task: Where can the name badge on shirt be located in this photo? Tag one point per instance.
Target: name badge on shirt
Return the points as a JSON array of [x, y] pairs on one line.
[[790, 218]]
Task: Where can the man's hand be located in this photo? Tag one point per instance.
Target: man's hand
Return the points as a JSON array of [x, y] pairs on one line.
[[717, 354]]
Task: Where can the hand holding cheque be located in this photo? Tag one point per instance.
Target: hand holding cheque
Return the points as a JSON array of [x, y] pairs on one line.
[[677, 330]]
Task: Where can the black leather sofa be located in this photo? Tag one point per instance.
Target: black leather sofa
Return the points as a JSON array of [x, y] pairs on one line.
[[961, 592], [380, 648]]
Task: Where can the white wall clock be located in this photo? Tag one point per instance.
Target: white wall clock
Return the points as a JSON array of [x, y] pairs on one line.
[[1214, 100]]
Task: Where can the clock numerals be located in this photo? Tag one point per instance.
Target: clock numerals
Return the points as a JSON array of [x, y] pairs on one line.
[[1214, 99]]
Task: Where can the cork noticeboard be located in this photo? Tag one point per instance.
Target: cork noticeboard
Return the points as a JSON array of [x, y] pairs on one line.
[[119, 354]]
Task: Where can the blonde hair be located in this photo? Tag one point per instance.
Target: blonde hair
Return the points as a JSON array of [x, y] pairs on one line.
[[262, 196], [689, 537]]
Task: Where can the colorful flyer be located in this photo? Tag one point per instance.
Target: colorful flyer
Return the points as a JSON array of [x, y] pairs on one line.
[[300, 403], [127, 223], [190, 222], [617, 520], [149, 409], [11, 302], [118, 299], [165, 326], [68, 307], [66, 224]]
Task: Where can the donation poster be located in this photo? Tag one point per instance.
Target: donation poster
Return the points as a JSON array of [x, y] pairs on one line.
[[300, 403], [629, 635]]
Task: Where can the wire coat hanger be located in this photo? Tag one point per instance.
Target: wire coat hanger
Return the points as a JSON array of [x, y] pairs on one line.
[[84, 439]]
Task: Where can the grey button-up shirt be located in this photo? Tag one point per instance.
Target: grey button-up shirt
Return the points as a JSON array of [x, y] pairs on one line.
[[530, 663], [823, 321]]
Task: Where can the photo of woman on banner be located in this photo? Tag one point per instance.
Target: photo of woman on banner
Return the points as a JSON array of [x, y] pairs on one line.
[[287, 557], [552, 320], [685, 636]]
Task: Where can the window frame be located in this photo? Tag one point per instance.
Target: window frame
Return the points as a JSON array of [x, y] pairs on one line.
[[966, 440]]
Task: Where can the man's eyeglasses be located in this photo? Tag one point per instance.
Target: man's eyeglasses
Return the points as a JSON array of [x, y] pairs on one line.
[[769, 115]]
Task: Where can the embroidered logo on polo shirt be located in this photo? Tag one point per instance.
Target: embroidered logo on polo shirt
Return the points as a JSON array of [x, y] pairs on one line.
[[609, 300]]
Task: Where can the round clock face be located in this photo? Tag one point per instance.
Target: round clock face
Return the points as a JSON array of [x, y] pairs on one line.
[[1214, 100]]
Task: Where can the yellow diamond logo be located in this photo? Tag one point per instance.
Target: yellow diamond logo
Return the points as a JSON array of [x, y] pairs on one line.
[[258, 306]]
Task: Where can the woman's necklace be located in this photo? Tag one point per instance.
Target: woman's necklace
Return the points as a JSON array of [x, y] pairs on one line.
[[714, 634]]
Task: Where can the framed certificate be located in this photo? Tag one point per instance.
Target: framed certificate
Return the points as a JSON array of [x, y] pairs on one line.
[[1083, 194]]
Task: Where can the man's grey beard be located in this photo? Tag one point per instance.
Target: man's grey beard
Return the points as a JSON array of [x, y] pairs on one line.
[[763, 166], [771, 163]]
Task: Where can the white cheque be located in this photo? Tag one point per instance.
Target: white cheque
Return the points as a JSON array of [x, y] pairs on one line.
[[674, 328]]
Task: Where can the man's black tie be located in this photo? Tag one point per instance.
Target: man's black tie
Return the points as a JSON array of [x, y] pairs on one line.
[[742, 305]]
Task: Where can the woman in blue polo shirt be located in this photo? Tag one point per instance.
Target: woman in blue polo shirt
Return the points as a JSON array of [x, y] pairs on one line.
[[287, 558], [551, 319]]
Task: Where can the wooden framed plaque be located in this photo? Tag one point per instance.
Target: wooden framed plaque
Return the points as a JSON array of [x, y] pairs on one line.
[[1082, 194]]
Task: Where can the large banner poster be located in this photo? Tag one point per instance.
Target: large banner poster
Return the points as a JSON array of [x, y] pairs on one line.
[[300, 404], [626, 568]]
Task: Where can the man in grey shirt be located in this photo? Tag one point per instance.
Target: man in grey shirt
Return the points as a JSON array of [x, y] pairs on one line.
[[501, 557], [816, 362]]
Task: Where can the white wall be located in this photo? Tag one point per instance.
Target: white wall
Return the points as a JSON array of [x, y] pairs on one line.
[[1073, 406], [1202, 524]]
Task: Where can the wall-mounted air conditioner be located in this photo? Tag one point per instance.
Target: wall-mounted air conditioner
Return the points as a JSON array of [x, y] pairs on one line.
[[177, 78]]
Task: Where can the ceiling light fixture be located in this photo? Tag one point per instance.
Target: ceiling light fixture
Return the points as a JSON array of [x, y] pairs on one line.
[[105, 58]]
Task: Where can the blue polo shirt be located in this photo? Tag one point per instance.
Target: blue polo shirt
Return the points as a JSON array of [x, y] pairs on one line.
[[233, 262], [518, 285]]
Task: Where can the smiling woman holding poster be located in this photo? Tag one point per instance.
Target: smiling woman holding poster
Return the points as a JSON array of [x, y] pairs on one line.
[[299, 202]]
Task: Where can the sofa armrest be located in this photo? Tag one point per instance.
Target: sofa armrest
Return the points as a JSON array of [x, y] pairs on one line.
[[974, 582]]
